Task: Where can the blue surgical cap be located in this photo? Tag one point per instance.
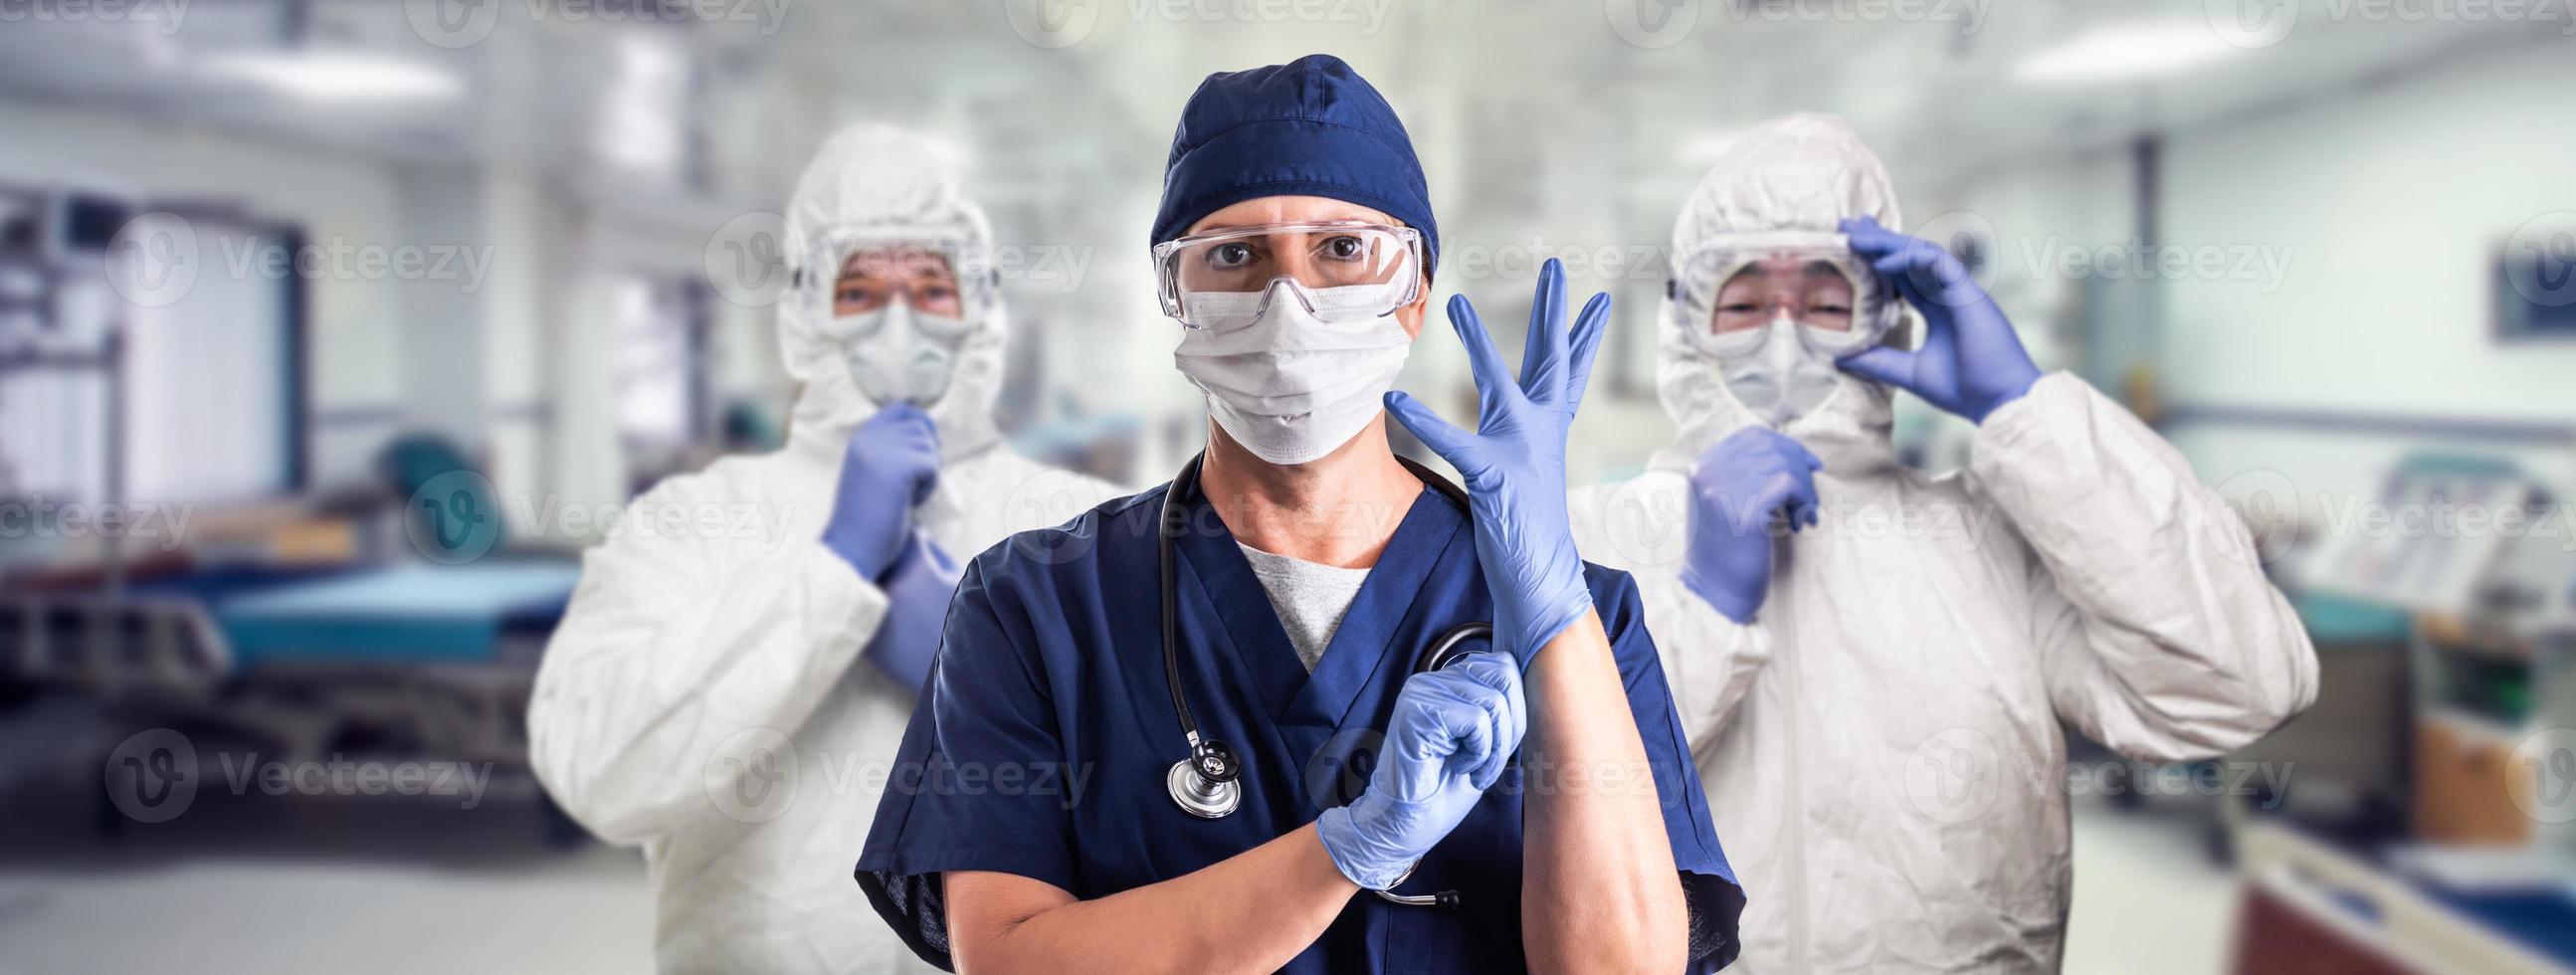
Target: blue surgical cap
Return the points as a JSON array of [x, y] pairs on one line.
[[1311, 127]]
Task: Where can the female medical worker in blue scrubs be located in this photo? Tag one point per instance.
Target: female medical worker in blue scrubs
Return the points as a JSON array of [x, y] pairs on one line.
[[1127, 762]]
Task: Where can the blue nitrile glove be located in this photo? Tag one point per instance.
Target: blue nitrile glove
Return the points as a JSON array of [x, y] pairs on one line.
[[1736, 489], [888, 468], [917, 591], [1971, 361], [1515, 462], [1453, 734]]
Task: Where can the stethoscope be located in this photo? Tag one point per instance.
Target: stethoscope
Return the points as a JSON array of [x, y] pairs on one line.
[[1207, 784]]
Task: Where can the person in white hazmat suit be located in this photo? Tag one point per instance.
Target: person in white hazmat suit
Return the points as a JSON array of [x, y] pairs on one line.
[[1872, 663], [730, 699]]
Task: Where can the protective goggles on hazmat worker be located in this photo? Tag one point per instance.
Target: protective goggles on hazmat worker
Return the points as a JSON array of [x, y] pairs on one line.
[[1776, 309], [902, 301]]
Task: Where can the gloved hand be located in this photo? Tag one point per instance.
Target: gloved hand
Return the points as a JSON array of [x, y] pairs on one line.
[[1971, 361], [917, 590], [1736, 488], [1515, 462], [888, 468], [1453, 734]]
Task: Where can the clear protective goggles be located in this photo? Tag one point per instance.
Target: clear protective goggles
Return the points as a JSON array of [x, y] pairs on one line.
[[1341, 271], [862, 270], [1731, 290]]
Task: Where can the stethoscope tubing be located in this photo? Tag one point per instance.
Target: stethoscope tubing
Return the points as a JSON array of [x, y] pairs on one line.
[[1205, 783]]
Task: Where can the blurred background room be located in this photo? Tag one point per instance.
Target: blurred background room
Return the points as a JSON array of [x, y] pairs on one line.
[[332, 331]]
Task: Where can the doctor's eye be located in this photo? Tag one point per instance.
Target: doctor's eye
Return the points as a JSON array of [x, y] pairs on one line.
[[1344, 248], [1229, 256]]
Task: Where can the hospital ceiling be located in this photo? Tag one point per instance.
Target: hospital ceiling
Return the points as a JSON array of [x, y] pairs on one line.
[[588, 82]]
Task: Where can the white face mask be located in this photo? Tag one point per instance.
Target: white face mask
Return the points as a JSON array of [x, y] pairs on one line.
[[1288, 385], [896, 354], [1784, 379]]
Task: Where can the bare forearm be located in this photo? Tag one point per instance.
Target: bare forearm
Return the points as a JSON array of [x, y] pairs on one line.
[[1599, 891], [1252, 913]]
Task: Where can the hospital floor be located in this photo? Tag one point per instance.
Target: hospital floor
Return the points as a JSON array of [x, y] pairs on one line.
[[2146, 902]]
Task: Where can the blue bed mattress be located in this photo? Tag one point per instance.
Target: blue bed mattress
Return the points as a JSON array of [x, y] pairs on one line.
[[394, 614]]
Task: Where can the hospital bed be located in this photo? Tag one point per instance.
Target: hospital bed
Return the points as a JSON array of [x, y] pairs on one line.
[[420, 660]]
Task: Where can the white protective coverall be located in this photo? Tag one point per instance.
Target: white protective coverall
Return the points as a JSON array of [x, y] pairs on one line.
[[706, 697], [1882, 747]]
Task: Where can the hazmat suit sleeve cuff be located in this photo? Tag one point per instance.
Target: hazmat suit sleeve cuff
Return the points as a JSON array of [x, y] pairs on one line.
[[842, 594], [2041, 412]]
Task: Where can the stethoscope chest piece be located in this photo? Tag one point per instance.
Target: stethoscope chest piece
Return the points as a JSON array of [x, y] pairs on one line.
[[1204, 784]]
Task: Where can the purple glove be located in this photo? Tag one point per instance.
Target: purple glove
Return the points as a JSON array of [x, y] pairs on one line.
[[889, 466], [1454, 732], [917, 591], [1971, 360], [1736, 489]]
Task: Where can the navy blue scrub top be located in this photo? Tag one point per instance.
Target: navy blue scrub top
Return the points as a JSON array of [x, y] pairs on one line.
[[1042, 745]]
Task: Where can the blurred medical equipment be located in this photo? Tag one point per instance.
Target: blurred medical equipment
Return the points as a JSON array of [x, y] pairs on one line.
[[2482, 878]]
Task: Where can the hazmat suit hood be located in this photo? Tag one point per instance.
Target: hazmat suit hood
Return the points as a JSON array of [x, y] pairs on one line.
[[1797, 172], [881, 178]]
